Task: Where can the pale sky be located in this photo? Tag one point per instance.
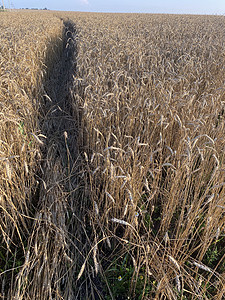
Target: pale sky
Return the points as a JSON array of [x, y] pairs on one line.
[[145, 6]]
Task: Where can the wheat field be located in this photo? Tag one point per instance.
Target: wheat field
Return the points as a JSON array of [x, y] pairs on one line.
[[112, 156]]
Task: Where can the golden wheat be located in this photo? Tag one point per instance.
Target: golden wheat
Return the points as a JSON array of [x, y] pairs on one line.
[[151, 107], [127, 120], [28, 43]]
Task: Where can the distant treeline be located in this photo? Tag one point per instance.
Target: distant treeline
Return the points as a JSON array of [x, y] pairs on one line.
[[36, 8]]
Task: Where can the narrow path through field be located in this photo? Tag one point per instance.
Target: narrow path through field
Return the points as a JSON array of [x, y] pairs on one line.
[[59, 125]]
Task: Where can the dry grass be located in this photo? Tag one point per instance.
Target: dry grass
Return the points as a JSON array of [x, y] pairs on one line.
[[28, 43], [149, 97], [131, 194]]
